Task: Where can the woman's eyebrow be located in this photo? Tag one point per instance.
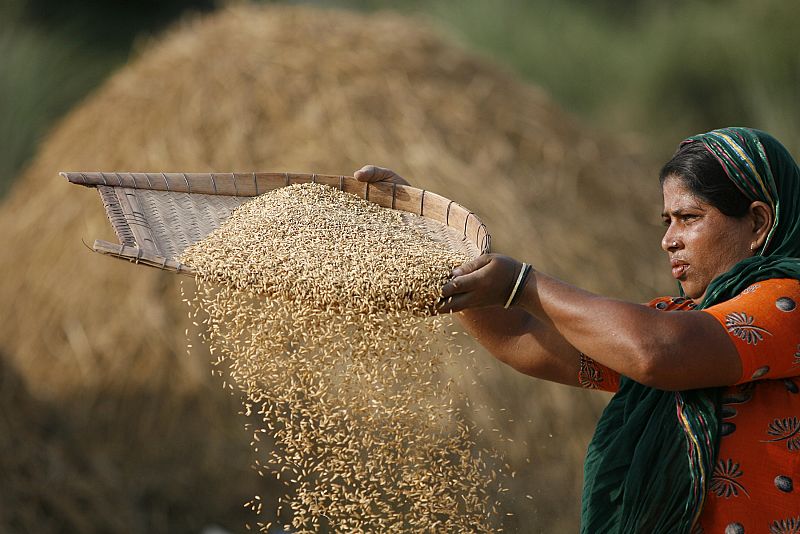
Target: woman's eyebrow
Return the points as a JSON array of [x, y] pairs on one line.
[[677, 212]]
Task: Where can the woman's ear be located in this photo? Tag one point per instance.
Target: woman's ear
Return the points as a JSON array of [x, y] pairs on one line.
[[762, 217]]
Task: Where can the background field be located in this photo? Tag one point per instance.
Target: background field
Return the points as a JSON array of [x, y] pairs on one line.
[[649, 70], [548, 118]]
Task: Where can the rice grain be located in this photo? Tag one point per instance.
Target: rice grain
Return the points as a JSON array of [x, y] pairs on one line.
[[321, 308]]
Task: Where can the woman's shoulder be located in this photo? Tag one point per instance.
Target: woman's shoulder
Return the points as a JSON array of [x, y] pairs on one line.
[[763, 321], [786, 292], [771, 302]]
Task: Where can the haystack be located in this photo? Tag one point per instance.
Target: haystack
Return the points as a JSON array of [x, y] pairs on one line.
[[101, 344]]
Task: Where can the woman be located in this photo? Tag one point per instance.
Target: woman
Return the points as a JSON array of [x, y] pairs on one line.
[[703, 433]]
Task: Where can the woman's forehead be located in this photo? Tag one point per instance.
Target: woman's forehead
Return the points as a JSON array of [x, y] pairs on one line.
[[678, 196]]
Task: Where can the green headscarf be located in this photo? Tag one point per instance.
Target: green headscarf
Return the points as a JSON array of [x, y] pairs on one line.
[[650, 460]]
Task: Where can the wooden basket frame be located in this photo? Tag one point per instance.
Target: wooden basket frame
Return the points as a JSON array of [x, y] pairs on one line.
[[134, 238]]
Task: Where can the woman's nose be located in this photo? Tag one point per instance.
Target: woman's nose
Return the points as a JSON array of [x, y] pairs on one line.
[[670, 241]]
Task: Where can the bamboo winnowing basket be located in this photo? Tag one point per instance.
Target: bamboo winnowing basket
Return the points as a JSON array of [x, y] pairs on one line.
[[157, 215]]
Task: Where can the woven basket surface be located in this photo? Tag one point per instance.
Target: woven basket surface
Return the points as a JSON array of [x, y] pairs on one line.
[[157, 216], [179, 219], [449, 236]]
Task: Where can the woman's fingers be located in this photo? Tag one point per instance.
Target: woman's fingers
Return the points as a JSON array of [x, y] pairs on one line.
[[454, 287], [465, 276], [484, 281], [454, 304], [372, 173], [472, 265]]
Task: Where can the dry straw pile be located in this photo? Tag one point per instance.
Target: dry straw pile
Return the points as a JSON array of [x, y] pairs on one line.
[[319, 305], [102, 343]]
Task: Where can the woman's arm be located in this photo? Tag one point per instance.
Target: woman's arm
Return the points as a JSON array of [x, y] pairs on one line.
[[665, 350], [513, 336], [517, 338]]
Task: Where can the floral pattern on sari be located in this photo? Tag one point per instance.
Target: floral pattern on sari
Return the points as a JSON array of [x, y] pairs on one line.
[[590, 376], [785, 526], [786, 430], [741, 325], [723, 480]]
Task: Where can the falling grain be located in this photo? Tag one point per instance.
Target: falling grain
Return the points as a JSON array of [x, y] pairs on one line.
[[321, 306]]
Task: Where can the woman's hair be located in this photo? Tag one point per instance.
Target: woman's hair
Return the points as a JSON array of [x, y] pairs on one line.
[[704, 176]]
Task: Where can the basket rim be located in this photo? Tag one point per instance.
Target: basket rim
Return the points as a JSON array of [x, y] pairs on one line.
[[391, 195]]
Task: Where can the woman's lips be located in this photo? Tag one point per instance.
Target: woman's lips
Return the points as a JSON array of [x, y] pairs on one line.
[[679, 268]]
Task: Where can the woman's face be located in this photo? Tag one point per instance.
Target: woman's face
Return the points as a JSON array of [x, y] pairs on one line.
[[701, 241]]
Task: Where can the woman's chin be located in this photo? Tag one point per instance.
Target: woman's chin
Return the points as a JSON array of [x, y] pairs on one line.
[[691, 291]]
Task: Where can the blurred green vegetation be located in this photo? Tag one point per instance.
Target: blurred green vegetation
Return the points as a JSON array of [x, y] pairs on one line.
[[52, 53], [660, 69]]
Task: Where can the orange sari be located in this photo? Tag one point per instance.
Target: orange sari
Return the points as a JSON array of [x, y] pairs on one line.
[[755, 485]]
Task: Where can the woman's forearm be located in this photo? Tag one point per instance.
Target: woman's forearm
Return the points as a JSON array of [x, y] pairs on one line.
[[603, 328], [521, 341], [656, 348]]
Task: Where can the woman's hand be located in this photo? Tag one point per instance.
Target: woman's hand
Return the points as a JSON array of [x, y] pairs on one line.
[[484, 281], [371, 173]]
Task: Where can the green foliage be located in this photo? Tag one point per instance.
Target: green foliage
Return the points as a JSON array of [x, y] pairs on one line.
[[717, 64], [43, 75], [54, 52]]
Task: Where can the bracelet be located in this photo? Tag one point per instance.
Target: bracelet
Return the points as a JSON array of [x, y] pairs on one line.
[[523, 273], [528, 269]]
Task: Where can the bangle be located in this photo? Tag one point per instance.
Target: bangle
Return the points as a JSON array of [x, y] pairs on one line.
[[528, 269], [523, 273]]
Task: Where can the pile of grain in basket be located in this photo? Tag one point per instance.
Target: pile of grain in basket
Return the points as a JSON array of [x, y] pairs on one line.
[[320, 304]]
